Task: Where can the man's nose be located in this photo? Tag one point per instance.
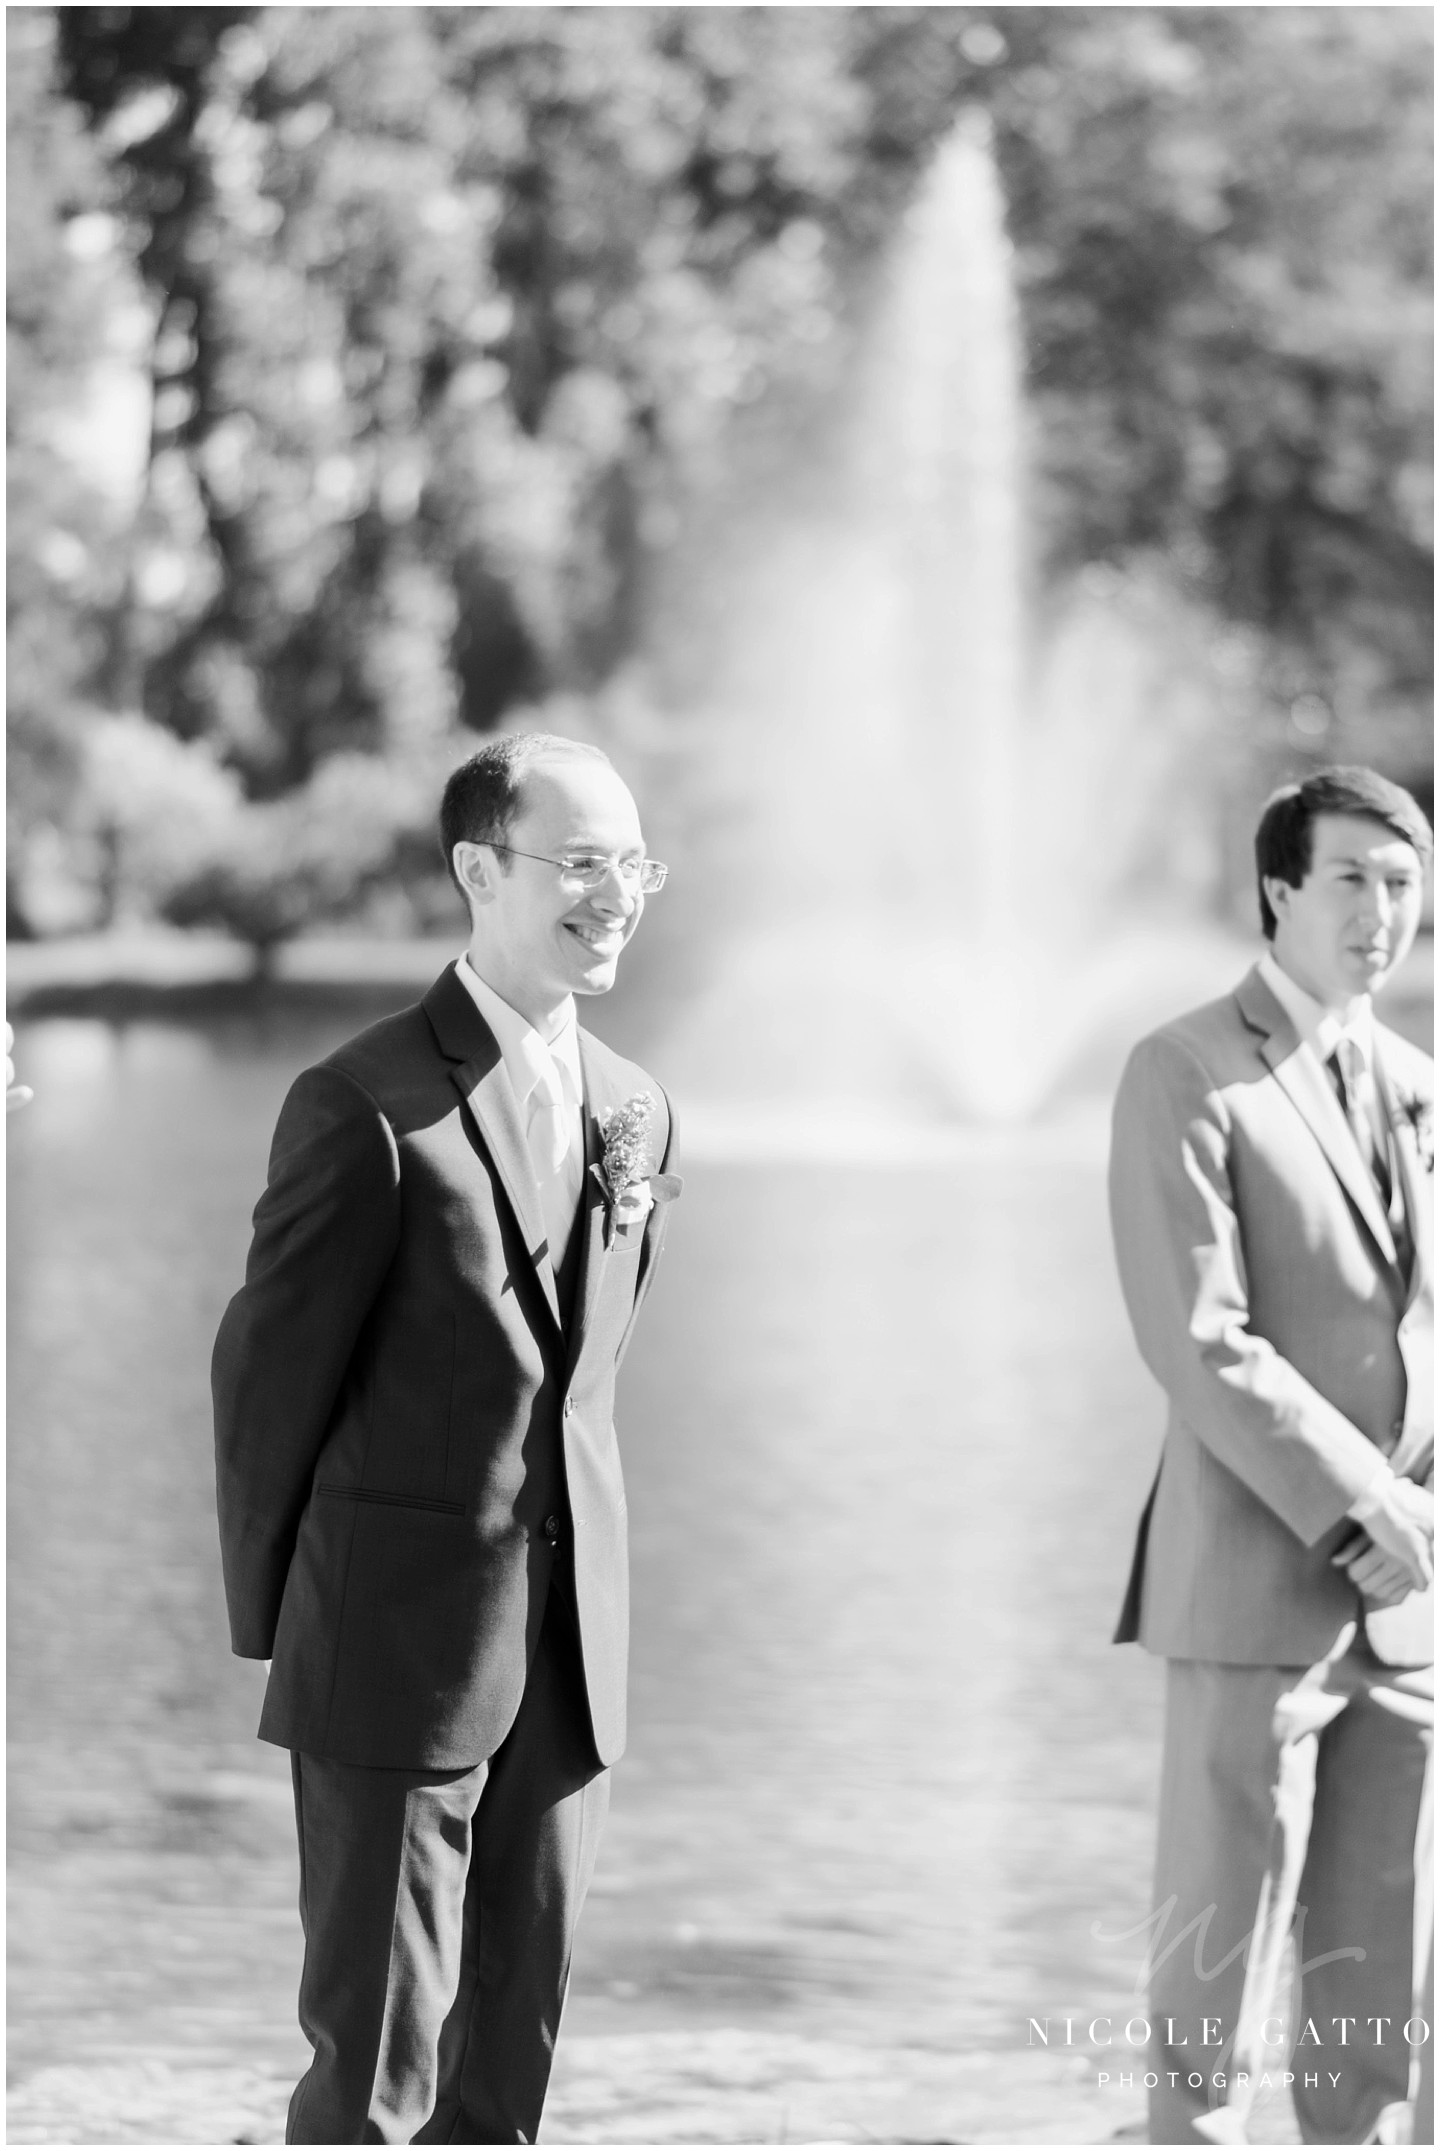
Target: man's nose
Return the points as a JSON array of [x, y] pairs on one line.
[[615, 893], [1377, 906]]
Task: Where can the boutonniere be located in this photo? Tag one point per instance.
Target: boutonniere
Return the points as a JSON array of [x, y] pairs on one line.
[[624, 1173], [1419, 1115]]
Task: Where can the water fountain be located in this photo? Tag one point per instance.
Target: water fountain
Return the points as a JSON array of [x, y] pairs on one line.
[[910, 915]]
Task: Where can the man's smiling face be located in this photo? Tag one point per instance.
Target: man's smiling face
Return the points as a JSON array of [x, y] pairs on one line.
[[537, 938], [1353, 917]]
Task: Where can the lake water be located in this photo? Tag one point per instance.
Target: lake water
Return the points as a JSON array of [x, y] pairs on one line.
[[889, 1790]]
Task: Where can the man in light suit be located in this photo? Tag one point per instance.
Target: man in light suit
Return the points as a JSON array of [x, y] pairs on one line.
[[421, 1512], [1270, 1199]]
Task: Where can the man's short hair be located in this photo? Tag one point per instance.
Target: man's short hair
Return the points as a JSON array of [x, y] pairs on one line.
[[483, 796], [1285, 839]]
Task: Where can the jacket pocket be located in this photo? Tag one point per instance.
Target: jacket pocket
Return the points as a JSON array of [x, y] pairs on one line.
[[393, 1501]]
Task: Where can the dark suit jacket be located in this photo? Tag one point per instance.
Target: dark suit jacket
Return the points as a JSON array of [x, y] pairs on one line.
[[1268, 1298], [399, 1411]]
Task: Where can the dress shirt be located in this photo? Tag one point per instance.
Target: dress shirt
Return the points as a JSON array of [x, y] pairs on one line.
[[1322, 1030], [545, 1076]]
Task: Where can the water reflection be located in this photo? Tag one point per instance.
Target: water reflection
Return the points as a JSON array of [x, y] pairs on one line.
[[885, 1438]]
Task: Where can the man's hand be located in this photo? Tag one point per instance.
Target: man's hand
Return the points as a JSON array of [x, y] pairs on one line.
[[16, 1094], [1401, 1554], [1382, 1580]]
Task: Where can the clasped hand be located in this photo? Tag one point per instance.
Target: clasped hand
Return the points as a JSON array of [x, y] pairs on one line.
[[16, 1094], [1398, 1554]]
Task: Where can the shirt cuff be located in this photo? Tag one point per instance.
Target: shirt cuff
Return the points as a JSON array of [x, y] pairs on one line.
[[1371, 1499]]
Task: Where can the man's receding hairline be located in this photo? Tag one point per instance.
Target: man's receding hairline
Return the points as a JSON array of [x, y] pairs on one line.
[[552, 758], [555, 758]]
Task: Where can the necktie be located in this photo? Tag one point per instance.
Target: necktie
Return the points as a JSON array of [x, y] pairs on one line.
[[1356, 1087], [551, 1130], [547, 1129]]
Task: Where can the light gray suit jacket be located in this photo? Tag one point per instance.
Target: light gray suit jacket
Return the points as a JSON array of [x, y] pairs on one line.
[[1263, 1283]]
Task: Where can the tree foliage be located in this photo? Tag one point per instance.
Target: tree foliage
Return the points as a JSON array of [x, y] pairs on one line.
[[452, 312], [65, 578]]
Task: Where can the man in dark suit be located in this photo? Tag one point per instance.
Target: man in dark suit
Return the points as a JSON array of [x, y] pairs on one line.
[[1270, 1189], [422, 1518]]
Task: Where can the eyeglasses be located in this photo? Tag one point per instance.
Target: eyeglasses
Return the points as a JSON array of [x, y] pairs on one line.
[[588, 869]]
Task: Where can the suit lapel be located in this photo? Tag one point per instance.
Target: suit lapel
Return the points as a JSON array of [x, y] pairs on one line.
[[466, 1038], [1406, 1154], [492, 1102], [1304, 1082], [591, 1222], [599, 1260]]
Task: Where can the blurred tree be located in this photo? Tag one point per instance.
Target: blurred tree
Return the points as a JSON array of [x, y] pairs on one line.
[[1230, 306], [67, 295], [282, 864], [448, 300], [1224, 243], [452, 312]]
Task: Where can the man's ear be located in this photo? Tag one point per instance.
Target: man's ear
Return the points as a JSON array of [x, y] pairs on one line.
[[1278, 894], [477, 870]]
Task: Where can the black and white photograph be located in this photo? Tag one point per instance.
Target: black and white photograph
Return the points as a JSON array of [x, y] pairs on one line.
[[720, 1106]]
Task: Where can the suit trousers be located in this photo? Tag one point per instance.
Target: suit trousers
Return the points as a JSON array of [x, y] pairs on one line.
[[439, 1909], [1292, 1799]]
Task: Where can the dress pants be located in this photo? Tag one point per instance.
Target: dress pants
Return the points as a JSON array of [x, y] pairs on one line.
[[439, 1909], [1293, 1798]]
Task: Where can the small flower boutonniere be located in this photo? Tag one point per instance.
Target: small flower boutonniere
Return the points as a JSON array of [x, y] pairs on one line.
[[1419, 1115], [625, 1174]]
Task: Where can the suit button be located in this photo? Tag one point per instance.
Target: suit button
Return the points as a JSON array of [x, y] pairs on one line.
[[552, 1528], [567, 1408]]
